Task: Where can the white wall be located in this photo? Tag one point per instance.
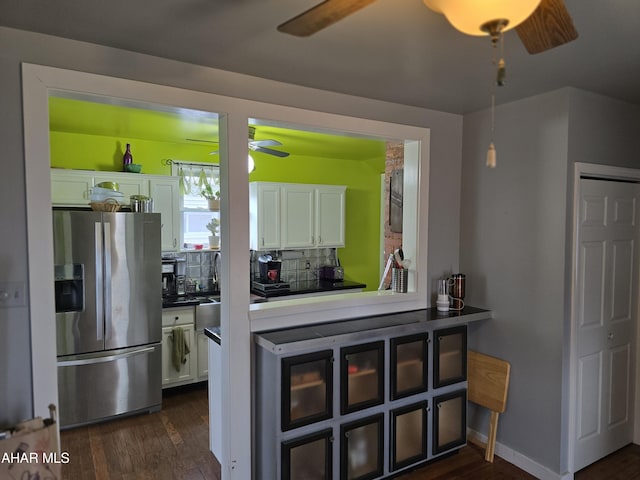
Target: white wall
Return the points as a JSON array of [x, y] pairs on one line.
[[512, 249], [19, 46], [516, 250]]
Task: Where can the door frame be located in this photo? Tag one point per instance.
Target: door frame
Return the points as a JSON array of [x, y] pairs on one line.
[[602, 172]]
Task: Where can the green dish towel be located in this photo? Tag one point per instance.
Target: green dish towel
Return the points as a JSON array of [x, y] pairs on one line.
[[180, 348]]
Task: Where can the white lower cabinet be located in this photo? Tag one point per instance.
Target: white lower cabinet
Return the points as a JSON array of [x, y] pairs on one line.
[[184, 370], [202, 343]]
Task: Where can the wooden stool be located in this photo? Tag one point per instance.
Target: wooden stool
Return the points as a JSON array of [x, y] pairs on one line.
[[487, 384]]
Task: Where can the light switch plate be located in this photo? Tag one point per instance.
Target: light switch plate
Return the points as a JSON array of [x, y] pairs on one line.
[[12, 294]]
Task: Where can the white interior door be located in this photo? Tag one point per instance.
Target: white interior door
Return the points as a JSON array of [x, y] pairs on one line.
[[607, 284]]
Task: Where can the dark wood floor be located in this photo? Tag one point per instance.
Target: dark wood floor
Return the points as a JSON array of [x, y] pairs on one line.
[[174, 444]]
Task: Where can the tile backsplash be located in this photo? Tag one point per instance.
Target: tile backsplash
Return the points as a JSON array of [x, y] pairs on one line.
[[297, 265], [199, 270]]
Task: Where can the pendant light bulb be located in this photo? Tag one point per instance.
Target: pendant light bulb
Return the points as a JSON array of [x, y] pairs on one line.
[[491, 156]]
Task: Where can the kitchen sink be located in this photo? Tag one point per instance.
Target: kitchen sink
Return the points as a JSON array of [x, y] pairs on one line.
[[208, 312]]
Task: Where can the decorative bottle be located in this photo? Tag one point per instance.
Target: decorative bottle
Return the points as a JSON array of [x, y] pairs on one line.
[[127, 158]]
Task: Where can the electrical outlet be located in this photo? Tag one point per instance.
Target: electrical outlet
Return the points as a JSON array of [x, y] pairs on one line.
[[12, 294]]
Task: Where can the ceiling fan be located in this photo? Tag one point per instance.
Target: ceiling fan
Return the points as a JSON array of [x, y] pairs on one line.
[[549, 25], [261, 145]]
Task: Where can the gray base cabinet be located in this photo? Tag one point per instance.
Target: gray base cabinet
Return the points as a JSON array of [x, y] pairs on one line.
[[357, 403]]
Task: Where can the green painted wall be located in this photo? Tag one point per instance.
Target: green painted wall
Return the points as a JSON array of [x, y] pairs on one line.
[[104, 153], [90, 136]]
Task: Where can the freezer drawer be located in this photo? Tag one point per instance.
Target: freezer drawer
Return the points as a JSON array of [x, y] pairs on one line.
[[95, 387]]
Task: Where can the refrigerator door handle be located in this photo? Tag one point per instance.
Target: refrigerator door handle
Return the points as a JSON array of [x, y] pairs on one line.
[[107, 278], [99, 282], [107, 358]]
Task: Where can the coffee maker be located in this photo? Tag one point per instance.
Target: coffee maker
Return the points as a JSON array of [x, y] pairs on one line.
[[269, 269], [169, 287], [173, 276]]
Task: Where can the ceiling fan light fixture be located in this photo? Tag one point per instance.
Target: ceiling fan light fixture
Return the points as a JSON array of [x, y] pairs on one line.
[[473, 17]]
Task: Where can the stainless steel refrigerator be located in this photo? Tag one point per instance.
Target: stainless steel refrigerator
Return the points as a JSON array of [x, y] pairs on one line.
[[108, 290]]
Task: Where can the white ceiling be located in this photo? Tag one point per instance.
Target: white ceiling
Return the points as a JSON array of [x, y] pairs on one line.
[[393, 50]]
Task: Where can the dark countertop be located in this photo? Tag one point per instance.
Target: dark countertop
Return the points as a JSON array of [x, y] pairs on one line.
[[189, 300], [312, 286], [193, 300], [306, 336], [276, 340]]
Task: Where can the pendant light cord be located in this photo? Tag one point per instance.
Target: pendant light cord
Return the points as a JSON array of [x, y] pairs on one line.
[[498, 82]]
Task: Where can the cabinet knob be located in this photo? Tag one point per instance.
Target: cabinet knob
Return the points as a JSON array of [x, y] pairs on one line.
[[610, 336]]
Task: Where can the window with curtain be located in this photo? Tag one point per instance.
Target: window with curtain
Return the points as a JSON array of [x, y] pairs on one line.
[[194, 180]]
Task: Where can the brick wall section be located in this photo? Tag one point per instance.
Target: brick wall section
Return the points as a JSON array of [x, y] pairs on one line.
[[394, 160]]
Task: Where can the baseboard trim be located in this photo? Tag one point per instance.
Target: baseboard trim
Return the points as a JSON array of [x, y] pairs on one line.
[[519, 460]]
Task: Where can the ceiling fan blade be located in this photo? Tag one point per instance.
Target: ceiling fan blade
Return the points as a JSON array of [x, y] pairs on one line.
[[321, 16], [268, 151], [549, 26], [265, 143]]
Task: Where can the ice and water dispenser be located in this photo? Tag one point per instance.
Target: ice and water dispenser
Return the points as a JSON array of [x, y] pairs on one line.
[[69, 287]]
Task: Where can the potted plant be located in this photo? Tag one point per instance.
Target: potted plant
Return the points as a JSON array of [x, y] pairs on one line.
[[214, 238], [212, 195]]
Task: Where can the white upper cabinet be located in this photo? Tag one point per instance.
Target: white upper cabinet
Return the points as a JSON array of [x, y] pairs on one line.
[[264, 206], [165, 194], [128, 184], [330, 216], [293, 215], [297, 207], [72, 188]]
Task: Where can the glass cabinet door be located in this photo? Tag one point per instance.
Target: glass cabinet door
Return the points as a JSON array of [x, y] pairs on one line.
[[308, 457], [408, 435], [361, 376], [307, 389], [449, 356], [449, 421], [361, 450], [409, 369]]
